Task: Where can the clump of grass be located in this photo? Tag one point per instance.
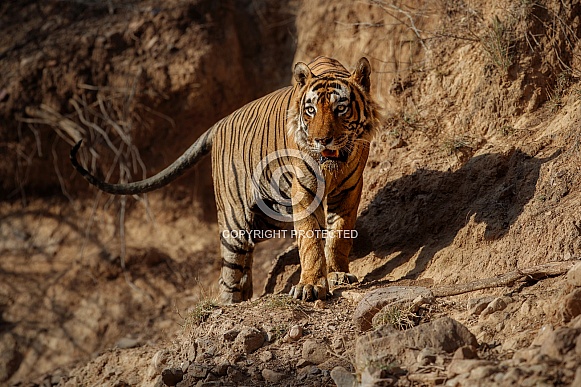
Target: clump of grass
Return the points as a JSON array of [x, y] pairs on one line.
[[498, 43], [279, 331], [556, 95], [456, 143], [507, 130], [201, 311], [400, 317]]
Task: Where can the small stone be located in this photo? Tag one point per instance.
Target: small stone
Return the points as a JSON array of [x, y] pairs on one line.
[[320, 304], [574, 275], [526, 355], [265, 356], [496, 305], [197, 371], [191, 353], [460, 367], [397, 143], [337, 344], [249, 339], [542, 334], [172, 376], [236, 375], [481, 373], [295, 333], [127, 342], [464, 352], [314, 351], [220, 369], [231, 334], [475, 306], [272, 376], [426, 356], [512, 375], [571, 305], [303, 363]]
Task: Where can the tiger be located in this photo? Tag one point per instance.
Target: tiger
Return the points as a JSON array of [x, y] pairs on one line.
[[319, 129]]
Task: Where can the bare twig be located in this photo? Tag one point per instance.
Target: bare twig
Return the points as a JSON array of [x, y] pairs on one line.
[[536, 272]]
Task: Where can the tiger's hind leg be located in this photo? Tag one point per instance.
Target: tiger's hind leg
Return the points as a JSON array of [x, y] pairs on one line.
[[236, 276]]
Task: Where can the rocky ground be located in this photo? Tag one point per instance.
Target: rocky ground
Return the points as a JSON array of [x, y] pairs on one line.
[[469, 228]]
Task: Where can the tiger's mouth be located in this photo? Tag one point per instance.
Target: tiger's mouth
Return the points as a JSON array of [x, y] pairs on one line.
[[334, 155], [330, 153]]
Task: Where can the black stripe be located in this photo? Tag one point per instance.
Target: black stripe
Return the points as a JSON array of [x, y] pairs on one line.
[[230, 289], [309, 191], [231, 248], [232, 266], [349, 176]]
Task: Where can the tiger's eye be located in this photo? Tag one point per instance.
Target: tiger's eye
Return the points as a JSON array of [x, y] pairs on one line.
[[310, 110], [342, 109]]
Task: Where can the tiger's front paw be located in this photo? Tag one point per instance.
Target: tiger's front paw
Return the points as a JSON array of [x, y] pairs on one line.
[[337, 278], [310, 292]]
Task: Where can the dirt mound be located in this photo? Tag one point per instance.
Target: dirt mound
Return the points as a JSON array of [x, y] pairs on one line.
[[475, 173]]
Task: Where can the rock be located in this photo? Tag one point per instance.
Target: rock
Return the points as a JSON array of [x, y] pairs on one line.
[[303, 363], [172, 376], [426, 356], [314, 351], [526, 355], [191, 352], [231, 334], [574, 275], [337, 344], [127, 342], [460, 367], [475, 306], [342, 377], [464, 352], [512, 376], [220, 369], [295, 333], [495, 305], [236, 375], [483, 372], [158, 363], [543, 333], [571, 305], [249, 339], [272, 376], [386, 345], [10, 357], [375, 300], [397, 143], [320, 304], [560, 342], [265, 356], [198, 371]]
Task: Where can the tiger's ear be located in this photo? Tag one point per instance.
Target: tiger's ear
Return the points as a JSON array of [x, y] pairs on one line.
[[302, 73], [361, 74]]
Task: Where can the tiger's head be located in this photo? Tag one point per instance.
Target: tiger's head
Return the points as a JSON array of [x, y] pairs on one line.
[[333, 114]]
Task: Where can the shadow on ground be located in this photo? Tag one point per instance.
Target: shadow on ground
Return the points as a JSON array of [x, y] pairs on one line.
[[423, 212]]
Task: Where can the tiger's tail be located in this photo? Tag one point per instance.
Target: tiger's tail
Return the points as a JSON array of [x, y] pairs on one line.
[[189, 158]]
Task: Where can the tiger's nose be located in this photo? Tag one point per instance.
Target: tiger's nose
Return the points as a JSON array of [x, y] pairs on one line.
[[323, 140]]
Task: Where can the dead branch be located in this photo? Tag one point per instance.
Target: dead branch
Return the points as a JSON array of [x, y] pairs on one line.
[[508, 279]]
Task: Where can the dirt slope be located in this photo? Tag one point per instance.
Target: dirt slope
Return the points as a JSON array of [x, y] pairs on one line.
[[475, 173]]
